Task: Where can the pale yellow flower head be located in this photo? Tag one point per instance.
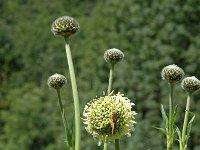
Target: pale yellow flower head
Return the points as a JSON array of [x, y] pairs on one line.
[[110, 117]]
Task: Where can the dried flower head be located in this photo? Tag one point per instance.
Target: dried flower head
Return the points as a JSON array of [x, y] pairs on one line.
[[190, 84], [56, 81], [109, 117], [113, 55], [172, 73], [65, 26]]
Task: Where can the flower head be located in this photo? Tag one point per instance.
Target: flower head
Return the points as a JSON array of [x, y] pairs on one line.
[[65, 26], [56, 81], [190, 84], [113, 55], [172, 73], [109, 117]]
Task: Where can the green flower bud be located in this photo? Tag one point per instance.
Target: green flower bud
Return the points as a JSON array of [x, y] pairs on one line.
[[56, 81], [113, 55], [109, 117], [190, 84], [65, 26], [172, 73]]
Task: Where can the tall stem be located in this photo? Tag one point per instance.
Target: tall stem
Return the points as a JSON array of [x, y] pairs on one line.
[[68, 141], [75, 94], [117, 144], [110, 78], [186, 120], [170, 136]]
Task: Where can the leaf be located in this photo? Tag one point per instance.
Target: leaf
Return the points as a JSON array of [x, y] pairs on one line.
[[174, 118], [67, 130], [179, 136], [174, 114], [189, 129], [165, 118], [161, 130], [178, 132]]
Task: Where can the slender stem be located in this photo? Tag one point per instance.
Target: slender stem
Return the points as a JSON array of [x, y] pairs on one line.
[[75, 94], [170, 139], [186, 119], [117, 144], [105, 146], [109, 90], [110, 78], [64, 121]]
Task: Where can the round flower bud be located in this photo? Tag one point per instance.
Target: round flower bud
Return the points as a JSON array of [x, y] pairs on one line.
[[190, 84], [172, 73], [56, 81], [109, 117], [65, 26], [113, 55]]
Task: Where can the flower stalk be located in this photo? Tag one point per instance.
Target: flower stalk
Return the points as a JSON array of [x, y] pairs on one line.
[[117, 144], [185, 124], [110, 78], [105, 146], [67, 132], [75, 93], [170, 135]]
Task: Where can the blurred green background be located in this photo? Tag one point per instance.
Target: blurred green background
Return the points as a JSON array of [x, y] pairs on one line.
[[152, 34]]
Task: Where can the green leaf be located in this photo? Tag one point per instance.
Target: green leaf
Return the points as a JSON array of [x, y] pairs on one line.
[[189, 129], [178, 132], [165, 118], [68, 134], [174, 114], [161, 130]]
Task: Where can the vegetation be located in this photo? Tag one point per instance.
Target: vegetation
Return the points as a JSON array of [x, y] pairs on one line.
[[152, 34]]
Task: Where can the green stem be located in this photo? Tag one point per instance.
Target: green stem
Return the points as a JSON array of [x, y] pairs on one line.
[[117, 144], [105, 146], [186, 120], [75, 94], [109, 90], [110, 78], [169, 148], [69, 144], [170, 138]]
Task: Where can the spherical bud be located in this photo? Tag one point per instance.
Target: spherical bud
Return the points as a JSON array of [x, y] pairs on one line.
[[109, 117], [172, 73], [56, 81], [113, 55], [65, 26], [190, 84]]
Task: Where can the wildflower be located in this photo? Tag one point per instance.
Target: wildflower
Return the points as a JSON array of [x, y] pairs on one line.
[[190, 84], [172, 73], [56, 81], [113, 55], [109, 117], [65, 26]]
